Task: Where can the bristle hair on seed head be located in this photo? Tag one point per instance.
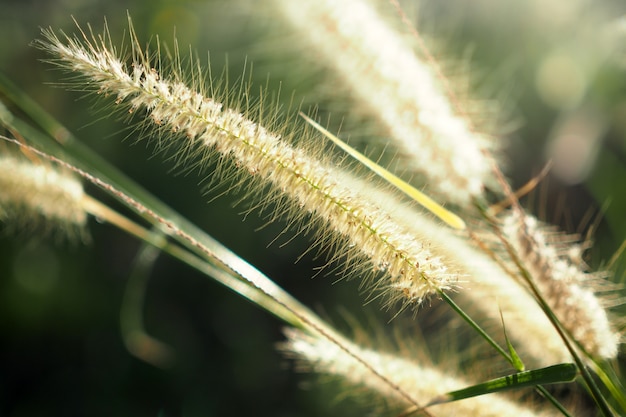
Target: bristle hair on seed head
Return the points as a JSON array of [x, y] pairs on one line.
[[37, 195], [422, 382], [565, 284], [403, 92], [284, 163], [490, 294]]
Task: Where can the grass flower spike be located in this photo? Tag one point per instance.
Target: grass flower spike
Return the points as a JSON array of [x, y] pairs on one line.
[[40, 194], [400, 90], [567, 288], [513, 292], [423, 382], [338, 201]]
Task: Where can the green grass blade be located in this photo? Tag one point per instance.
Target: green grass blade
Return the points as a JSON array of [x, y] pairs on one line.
[[612, 382], [476, 327], [428, 203], [517, 362], [544, 392], [137, 340], [555, 374]]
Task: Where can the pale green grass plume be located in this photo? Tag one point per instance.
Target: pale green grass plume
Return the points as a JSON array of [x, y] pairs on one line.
[[338, 201], [361, 222], [35, 193], [401, 91], [407, 95], [568, 289], [422, 381]]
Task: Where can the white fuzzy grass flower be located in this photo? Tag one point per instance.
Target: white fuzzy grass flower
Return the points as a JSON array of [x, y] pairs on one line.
[[419, 257], [400, 90], [339, 203], [567, 288], [406, 95], [39, 193], [489, 292], [422, 382]]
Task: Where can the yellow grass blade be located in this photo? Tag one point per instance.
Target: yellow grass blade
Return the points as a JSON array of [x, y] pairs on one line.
[[445, 215]]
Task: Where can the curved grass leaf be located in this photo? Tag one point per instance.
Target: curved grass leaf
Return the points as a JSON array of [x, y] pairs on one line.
[[555, 374], [428, 203]]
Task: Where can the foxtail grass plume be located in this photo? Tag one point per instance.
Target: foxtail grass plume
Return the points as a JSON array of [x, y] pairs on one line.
[[38, 194], [491, 294], [566, 286], [403, 92], [422, 382], [340, 204]]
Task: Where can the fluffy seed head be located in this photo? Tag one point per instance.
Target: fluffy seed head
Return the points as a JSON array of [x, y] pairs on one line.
[[39, 193], [422, 382], [338, 202], [401, 90], [565, 285], [490, 293]]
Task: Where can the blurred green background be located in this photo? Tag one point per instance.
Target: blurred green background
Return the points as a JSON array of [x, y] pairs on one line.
[[560, 80]]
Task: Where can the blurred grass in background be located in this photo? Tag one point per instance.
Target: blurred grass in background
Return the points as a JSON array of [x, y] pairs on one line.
[[60, 344]]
